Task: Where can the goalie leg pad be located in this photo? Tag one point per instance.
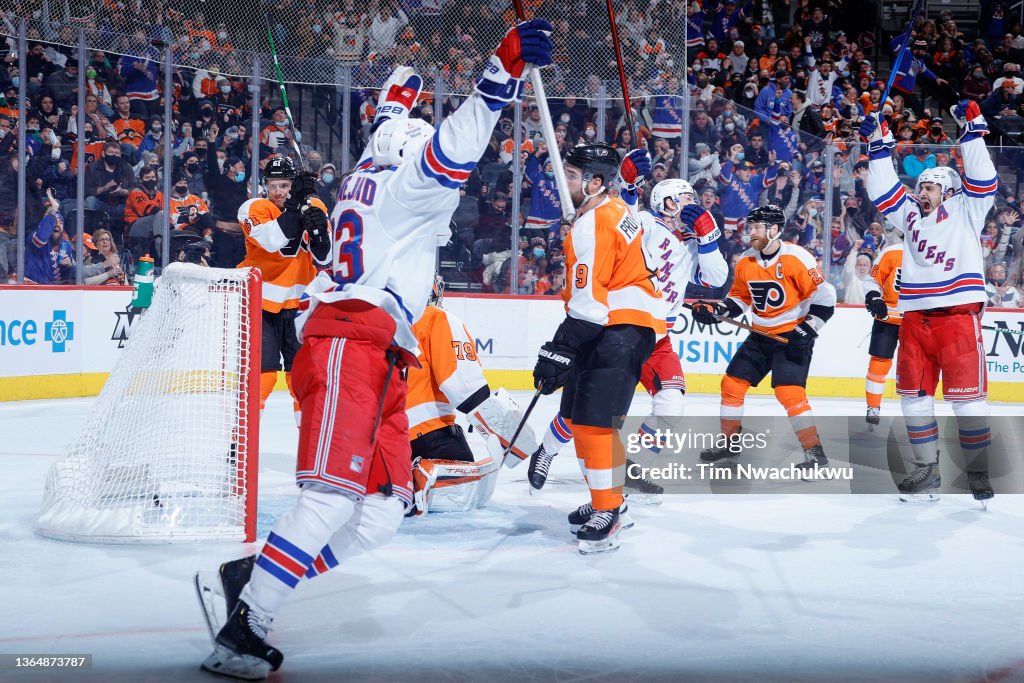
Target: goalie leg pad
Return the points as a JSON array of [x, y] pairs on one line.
[[453, 486], [499, 416]]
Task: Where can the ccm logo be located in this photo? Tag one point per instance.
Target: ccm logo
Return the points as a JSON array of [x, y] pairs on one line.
[[553, 356]]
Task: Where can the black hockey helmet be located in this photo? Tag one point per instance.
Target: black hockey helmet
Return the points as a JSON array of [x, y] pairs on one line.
[[769, 214], [595, 159], [279, 167]]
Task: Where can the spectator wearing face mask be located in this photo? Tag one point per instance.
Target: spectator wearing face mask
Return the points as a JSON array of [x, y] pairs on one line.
[[144, 200], [976, 86], [194, 173], [545, 206], [777, 92], [189, 211], [1000, 292], [228, 190], [327, 185], [108, 180], [1011, 72]]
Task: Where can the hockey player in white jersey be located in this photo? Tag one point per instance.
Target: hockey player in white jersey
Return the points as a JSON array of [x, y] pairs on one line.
[[354, 464], [942, 297], [681, 239]]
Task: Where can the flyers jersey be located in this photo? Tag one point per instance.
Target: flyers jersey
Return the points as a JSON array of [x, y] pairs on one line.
[[191, 206], [608, 279], [886, 275], [450, 371], [779, 292], [286, 270]]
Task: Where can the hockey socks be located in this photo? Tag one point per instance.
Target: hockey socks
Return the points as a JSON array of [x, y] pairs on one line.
[[794, 399], [733, 392], [874, 385], [603, 457]]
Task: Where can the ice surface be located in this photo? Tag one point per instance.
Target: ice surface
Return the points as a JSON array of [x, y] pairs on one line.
[[704, 588]]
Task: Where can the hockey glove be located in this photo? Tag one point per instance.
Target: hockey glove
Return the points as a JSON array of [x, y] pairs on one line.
[[318, 230], [552, 369], [699, 220], [881, 142], [303, 186], [968, 117], [398, 95], [635, 166], [801, 343], [707, 312], [290, 222], [876, 306], [526, 43]]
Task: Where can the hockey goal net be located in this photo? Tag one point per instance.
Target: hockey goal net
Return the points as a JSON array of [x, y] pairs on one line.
[[169, 452]]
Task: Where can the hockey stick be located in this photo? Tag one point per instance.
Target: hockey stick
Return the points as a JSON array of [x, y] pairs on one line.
[[280, 85], [622, 76], [548, 128], [745, 326], [899, 55], [1002, 329], [522, 423]]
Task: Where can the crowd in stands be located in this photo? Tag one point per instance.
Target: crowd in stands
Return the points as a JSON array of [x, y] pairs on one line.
[[773, 86]]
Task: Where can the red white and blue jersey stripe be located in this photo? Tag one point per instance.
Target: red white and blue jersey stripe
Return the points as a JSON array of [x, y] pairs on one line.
[[942, 257], [389, 221]]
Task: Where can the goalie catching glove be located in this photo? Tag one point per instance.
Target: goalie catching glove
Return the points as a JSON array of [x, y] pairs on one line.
[[526, 43]]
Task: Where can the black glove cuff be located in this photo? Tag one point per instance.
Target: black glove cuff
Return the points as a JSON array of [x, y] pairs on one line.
[[822, 313]]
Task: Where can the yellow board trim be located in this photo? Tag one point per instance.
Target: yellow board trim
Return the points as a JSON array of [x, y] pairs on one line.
[[89, 384]]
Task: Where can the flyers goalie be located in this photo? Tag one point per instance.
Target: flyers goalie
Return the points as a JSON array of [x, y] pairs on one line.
[[447, 476]]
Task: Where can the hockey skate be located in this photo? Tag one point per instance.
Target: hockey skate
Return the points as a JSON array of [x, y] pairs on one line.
[[226, 583], [241, 649], [600, 533], [643, 491], [872, 418], [921, 485], [981, 487], [540, 463], [813, 457], [720, 455], [582, 515]]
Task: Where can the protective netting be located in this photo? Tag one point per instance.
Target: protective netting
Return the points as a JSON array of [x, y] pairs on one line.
[[166, 453], [318, 40]]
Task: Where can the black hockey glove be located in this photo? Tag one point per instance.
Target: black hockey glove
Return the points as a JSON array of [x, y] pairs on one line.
[[552, 369], [318, 229], [303, 187], [704, 312], [876, 306], [801, 342]]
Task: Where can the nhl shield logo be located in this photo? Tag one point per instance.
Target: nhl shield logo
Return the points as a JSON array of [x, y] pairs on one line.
[[357, 463]]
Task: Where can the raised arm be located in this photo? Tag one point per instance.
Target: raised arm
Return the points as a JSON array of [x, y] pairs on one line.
[[980, 177], [889, 195]]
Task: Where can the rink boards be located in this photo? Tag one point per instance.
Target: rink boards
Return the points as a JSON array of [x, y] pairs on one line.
[[62, 342]]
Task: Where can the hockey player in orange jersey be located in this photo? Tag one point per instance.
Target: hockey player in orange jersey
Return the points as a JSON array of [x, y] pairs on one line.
[[614, 316], [781, 285], [883, 294], [447, 477], [276, 242]]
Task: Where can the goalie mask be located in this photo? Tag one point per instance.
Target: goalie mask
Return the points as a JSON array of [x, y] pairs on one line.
[[673, 189], [396, 138]]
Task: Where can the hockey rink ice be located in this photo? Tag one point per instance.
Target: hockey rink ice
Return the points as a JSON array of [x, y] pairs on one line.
[[703, 588]]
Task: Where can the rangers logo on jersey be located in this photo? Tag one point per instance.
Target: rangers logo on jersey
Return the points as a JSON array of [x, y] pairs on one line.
[[765, 294]]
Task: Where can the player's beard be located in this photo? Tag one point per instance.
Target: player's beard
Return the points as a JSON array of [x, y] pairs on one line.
[[759, 243]]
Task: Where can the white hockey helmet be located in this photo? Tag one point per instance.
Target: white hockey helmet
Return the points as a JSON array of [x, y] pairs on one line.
[[390, 141], [671, 188], [943, 176]]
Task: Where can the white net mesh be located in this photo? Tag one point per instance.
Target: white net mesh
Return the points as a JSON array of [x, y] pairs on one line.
[[165, 453]]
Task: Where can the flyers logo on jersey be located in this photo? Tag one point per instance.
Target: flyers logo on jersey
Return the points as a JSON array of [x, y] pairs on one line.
[[765, 294]]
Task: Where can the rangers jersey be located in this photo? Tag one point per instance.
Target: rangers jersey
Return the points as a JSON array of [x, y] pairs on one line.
[[945, 264], [389, 221], [449, 371], [286, 269], [607, 273], [886, 274], [680, 260], [780, 291]]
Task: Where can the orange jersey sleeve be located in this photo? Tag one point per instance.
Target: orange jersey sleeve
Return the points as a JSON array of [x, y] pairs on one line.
[[286, 268], [887, 272], [779, 292], [608, 280], [450, 371], [139, 204]]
